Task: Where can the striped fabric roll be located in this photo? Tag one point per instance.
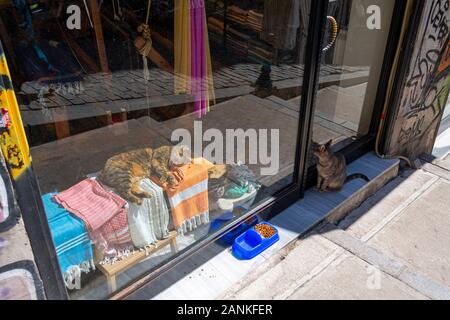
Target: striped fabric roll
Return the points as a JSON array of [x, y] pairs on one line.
[[72, 243], [149, 222], [189, 200], [103, 213], [89, 201]]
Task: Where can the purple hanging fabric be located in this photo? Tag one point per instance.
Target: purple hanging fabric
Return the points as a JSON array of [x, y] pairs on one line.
[[203, 86], [198, 56]]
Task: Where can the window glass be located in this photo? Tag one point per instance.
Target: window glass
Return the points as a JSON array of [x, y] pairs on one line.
[[152, 123], [355, 41]]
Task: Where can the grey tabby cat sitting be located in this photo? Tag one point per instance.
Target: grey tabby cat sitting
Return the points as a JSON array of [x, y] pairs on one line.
[[332, 169]]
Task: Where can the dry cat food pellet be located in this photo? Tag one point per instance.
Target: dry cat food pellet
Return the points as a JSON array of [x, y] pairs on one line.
[[265, 230]]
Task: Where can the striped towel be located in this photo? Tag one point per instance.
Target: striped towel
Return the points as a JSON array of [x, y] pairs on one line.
[[103, 213], [72, 243], [189, 200], [89, 201], [149, 222]]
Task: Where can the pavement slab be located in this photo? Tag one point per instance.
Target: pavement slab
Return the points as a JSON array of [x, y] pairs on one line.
[[276, 280], [349, 277], [420, 234], [376, 211], [444, 163]]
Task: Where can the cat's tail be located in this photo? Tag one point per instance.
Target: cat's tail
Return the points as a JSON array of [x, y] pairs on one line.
[[357, 176]]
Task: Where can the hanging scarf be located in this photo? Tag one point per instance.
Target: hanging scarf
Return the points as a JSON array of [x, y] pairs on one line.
[[193, 70]]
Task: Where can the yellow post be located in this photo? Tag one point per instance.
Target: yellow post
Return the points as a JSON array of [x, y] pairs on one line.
[[13, 141]]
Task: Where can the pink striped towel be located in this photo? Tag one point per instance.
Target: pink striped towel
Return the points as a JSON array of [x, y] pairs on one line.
[[89, 201], [103, 213], [114, 237]]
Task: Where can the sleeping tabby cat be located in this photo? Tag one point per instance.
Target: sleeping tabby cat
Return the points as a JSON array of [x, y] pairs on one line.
[[332, 169], [124, 171]]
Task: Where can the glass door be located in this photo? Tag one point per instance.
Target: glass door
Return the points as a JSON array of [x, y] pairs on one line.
[[353, 58]]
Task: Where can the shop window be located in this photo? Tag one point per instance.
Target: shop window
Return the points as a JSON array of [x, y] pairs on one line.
[[154, 124]]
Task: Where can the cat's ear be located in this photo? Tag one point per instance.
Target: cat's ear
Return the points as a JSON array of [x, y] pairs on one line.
[[328, 144]]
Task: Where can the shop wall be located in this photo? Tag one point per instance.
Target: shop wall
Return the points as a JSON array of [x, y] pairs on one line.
[[19, 278], [420, 100]]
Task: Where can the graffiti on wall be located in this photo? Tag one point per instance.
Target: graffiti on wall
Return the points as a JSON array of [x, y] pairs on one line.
[[428, 81], [13, 142], [18, 274], [19, 281], [9, 213]]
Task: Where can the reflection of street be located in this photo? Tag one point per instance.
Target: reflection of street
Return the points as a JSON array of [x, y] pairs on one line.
[[338, 112], [126, 90]]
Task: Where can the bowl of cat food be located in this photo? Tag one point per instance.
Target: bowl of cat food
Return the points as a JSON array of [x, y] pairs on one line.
[[254, 241]]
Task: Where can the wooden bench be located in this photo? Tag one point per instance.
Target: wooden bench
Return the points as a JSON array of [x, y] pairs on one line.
[[112, 270]]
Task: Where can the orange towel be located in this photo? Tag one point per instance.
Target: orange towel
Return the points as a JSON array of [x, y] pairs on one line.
[[189, 199]]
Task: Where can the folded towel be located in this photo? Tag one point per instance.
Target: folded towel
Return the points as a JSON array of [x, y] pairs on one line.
[[103, 213], [72, 243], [189, 199], [89, 201], [149, 222], [113, 239]]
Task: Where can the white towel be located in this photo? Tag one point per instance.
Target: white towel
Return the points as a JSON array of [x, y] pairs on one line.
[[149, 222]]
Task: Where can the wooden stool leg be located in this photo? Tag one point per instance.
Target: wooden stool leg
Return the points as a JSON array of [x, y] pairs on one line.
[[174, 245], [112, 286]]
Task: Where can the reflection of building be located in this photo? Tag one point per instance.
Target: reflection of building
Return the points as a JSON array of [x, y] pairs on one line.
[[83, 97]]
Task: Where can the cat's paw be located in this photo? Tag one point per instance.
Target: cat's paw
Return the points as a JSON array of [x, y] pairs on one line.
[[172, 179], [146, 195], [139, 193], [178, 174], [135, 200]]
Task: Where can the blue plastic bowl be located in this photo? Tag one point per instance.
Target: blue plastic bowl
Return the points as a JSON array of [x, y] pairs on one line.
[[249, 244], [228, 238]]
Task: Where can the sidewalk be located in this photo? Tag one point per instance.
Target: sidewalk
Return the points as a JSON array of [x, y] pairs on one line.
[[396, 245]]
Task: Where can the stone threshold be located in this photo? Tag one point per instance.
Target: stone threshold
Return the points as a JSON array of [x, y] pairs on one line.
[[209, 273]]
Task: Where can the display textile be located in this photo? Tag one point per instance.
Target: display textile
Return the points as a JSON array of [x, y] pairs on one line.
[[149, 222], [70, 237], [193, 68], [189, 199], [103, 213], [182, 46]]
